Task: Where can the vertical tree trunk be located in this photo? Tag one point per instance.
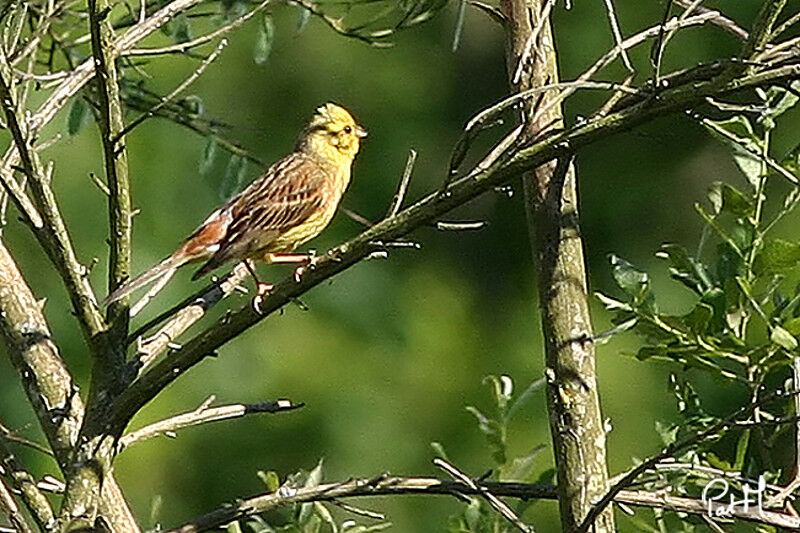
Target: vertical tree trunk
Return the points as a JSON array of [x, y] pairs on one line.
[[552, 207]]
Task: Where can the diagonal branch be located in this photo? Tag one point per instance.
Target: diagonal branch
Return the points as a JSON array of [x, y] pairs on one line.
[[46, 221], [12, 511], [676, 99], [762, 28], [25, 485], [203, 415]]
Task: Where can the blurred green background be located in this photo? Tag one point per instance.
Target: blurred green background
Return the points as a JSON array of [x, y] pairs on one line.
[[392, 351]]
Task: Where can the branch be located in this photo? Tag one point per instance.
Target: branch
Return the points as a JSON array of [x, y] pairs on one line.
[[675, 99], [115, 155], [185, 315], [673, 449], [47, 381], [393, 486], [45, 220], [181, 48], [203, 415], [719, 19], [762, 28], [26, 487], [496, 503], [9, 507]]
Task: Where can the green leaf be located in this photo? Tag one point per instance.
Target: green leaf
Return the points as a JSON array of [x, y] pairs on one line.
[[738, 133], [494, 434], [685, 268], [741, 450], [717, 462], [726, 198], [520, 468], [778, 100], [633, 281], [791, 160], [783, 338], [546, 477], [303, 16], [502, 388], [209, 155], [270, 480], [264, 38], [78, 116], [668, 432], [777, 256], [233, 177], [234, 527], [698, 318], [181, 30], [306, 510], [793, 326], [326, 516]]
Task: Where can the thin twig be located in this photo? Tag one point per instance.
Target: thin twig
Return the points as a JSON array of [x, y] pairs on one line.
[[47, 224], [719, 19], [203, 415], [185, 315], [9, 507], [615, 31], [29, 492], [180, 88], [400, 195], [497, 504], [199, 41]]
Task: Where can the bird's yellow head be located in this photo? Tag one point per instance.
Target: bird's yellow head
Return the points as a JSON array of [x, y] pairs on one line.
[[333, 134]]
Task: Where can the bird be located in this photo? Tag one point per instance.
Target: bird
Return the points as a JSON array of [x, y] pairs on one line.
[[288, 205]]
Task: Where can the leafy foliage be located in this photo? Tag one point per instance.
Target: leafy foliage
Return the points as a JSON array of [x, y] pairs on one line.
[[741, 326]]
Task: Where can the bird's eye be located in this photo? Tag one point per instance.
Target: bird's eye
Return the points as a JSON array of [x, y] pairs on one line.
[[348, 129]]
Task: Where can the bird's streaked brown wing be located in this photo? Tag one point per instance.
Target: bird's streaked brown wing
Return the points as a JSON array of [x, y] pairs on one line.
[[289, 192]]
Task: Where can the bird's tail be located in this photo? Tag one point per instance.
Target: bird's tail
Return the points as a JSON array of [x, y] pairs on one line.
[[160, 273]]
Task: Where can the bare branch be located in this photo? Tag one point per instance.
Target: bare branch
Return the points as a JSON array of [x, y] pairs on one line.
[[393, 486], [9, 507], [497, 504], [49, 229], [47, 381], [203, 415], [111, 119], [185, 315], [397, 202], [179, 89], [188, 45], [719, 19], [27, 488], [762, 28]]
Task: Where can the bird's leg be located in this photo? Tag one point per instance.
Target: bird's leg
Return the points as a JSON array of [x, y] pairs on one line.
[[288, 258], [307, 262], [262, 288]]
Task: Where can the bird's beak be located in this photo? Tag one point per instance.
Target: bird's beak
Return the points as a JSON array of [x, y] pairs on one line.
[[360, 132]]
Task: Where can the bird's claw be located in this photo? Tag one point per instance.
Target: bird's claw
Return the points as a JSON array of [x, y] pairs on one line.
[[262, 290], [311, 264]]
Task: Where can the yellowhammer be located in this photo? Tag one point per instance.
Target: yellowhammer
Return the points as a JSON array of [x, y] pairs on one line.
[[291, 203]]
